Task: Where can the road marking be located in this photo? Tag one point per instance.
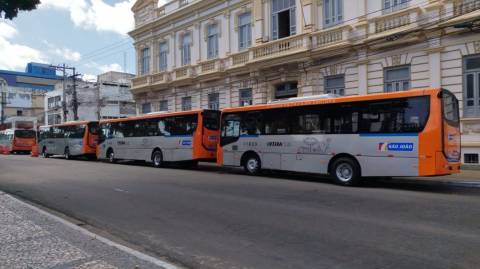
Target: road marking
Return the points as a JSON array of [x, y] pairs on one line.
[[120, 190], [102, 239]]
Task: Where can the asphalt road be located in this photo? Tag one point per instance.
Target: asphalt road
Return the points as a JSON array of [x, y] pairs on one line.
[[210, 218]]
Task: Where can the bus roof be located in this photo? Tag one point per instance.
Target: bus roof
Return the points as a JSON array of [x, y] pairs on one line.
[[69, 123], [155, 115], [336, 100]]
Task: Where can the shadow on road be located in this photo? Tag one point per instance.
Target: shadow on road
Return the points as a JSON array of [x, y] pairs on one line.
[[408, 184]]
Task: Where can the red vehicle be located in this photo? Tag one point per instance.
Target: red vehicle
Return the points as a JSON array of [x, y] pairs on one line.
[[19, 140]]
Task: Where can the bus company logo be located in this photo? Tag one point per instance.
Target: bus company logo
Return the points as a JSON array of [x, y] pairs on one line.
[[186, 142], [395, 146], [274, 144]]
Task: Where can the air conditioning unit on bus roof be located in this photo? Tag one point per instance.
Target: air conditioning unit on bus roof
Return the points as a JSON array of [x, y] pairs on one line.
[[305, 98]]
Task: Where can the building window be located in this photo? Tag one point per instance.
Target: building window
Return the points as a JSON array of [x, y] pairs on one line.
[[185, 49], [286, 90], [332, 12], [244, 31], [163, 56], [470, 158], [394, 5], [19, 113], [212, 41], [54, 102], [471, 92], [283, 18], [164, 105], [246, 97], [397, 78], [335, 85], [146, 108], [186, 103], [214, 101], [145, 62]]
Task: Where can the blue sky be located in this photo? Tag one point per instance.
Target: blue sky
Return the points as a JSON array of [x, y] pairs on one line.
[[88, 34]]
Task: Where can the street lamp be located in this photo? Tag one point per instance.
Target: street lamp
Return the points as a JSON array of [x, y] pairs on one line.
[[3, 90]]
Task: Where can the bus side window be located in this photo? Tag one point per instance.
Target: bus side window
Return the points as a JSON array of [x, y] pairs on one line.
[[252, 124]]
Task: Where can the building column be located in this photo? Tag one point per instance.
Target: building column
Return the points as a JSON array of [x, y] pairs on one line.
[[434, 61], [362, 66], [258, 20]]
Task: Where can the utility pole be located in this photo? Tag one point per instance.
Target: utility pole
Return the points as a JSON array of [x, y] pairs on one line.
[[74, 99], [63, 68]]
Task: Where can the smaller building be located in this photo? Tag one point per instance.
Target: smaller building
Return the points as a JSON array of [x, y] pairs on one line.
[[108, 98], [25, 91]]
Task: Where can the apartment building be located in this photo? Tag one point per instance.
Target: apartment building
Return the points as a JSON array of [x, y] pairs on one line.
[[217, 54], [24, 92], [108, 98]]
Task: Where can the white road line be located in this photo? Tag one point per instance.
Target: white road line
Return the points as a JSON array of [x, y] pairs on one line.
[[102, 239], [120, 190]]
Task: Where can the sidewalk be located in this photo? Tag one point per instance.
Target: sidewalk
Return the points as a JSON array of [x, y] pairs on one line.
[[31, 238], [466, 178]]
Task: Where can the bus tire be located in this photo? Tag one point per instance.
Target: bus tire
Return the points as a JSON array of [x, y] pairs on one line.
[[157, 158], [67, 154], [44, 153], [252, 164], [346, 171], [111, 156]]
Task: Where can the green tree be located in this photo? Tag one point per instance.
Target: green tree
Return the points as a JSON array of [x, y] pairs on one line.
[[9, 8]]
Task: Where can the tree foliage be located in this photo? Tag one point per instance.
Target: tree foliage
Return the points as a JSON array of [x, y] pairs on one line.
[[9, 8]]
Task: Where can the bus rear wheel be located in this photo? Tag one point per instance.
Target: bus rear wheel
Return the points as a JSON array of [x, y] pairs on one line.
[[44, 153], [346, 172], [252, 165], [157, 159]]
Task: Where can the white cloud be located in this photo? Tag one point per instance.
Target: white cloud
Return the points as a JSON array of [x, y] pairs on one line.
[[65, 53], [96, 14], [15, 56], [89, 77], [110, 67]]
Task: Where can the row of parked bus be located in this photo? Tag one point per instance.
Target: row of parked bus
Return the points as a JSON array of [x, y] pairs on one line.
[[411, 133]]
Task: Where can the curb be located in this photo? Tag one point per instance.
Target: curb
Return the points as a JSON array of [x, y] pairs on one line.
[[94, 236]]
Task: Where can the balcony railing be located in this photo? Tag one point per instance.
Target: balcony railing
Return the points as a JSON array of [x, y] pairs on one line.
[[183, 3], [208, 66], [461, 7], [159, 78], [282, 46], [140, 81], [392, 21], [240, 58], [331, 37]]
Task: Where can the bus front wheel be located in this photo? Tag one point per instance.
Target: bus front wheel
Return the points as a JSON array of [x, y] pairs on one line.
[[67, 154], [346, 171], [252, 165], [111, 156], [157, 158]]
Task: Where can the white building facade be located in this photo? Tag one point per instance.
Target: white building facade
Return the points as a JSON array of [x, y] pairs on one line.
[[108, 98], [216, 54]]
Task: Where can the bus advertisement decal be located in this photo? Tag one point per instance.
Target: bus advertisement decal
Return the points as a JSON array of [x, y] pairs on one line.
[[395, 146]]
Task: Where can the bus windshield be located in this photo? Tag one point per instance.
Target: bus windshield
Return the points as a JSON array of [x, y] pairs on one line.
[[450, 108], [24, 133]]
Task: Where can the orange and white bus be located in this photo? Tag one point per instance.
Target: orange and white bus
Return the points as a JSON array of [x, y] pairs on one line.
[[186, 137], [17, 134], [409, 133], [17, 140], [71, 139]]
